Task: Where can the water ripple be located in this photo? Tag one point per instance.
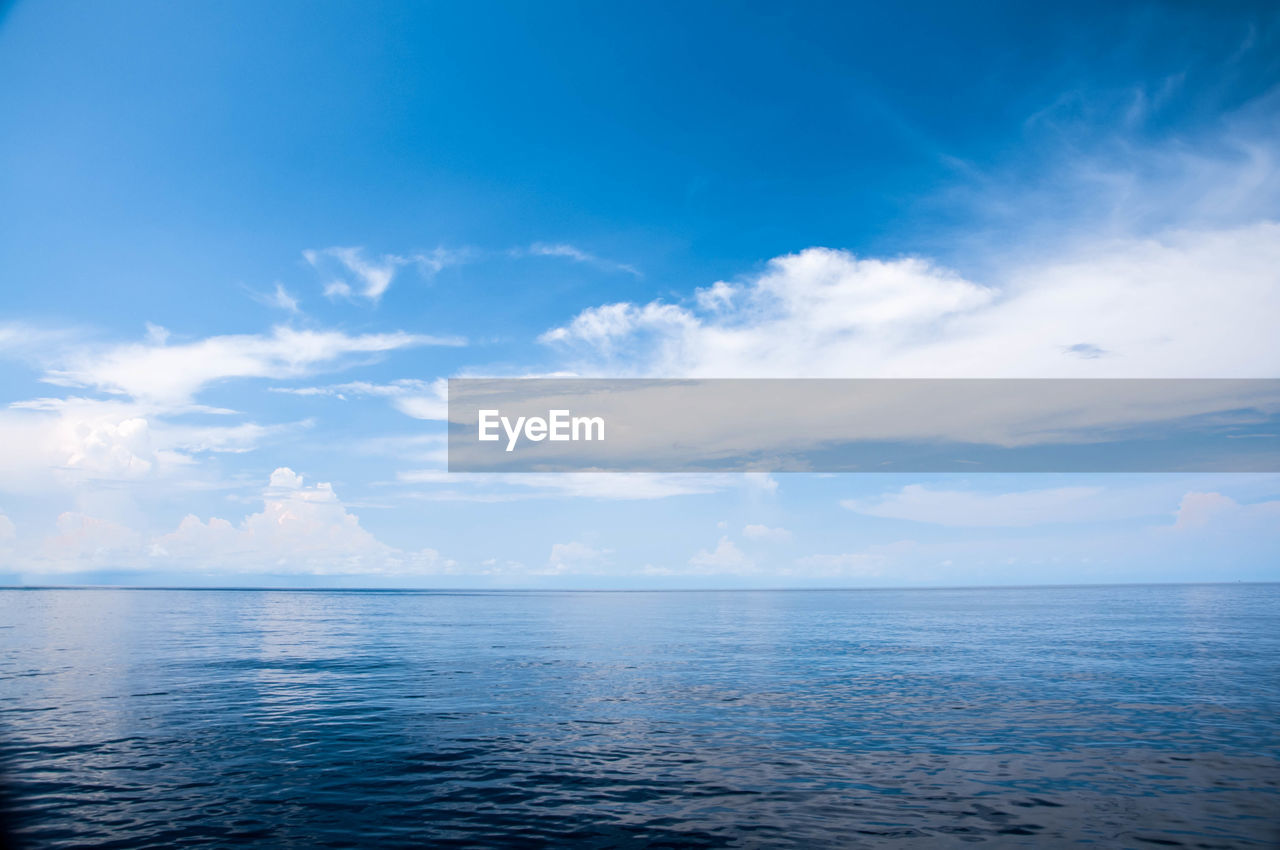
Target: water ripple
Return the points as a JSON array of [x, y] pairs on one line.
[[1113, 717]]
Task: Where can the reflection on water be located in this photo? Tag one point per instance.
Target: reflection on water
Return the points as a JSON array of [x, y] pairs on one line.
[[1116, 716]]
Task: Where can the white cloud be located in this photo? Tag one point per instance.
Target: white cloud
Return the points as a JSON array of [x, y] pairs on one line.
[[372, 277], [14, 336], [496, 567], [68, 441], [725, 558], [232, 439], [425, 448], [285, 478], [25, 340], [846, 565], [279, 298], [428, 400], [577, 255], [969, 508], [1214, 511], [163, 374], [84, 542], [50, 444], [620, 486], [1152, 497], [765, 533], [299, 529], [115, 449], [1089, 167], [1187, 304], [574, 557]]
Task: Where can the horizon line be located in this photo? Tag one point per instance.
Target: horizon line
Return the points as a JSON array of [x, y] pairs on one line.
[[468, 590]]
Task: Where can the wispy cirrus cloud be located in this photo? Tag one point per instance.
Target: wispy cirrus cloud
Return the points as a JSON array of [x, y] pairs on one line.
[[1101, 247], [611, 486], [278, 298], [24, 341], [971, 508], [1150, 499], [420, 399], [350, 273], [171, 375], [577, 255], [576, 557], [766, 534]]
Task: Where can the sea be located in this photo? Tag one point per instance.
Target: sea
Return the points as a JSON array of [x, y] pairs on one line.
[[1116, 716]]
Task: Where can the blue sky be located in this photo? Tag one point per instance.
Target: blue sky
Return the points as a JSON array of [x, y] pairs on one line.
[[241, 244]]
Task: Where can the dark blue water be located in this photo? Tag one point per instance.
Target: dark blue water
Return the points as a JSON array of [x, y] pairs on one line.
[[1124, 716]]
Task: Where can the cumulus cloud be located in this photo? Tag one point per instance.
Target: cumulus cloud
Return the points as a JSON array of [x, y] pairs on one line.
[[1186, 304], [726, 557], [163, 374], [284, 478], [299, 529], [1214, 511], [54, 443], [116, 449], [84, 542], [62, 442]]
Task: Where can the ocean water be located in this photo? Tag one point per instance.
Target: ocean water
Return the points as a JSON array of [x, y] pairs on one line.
[[1116, 717]]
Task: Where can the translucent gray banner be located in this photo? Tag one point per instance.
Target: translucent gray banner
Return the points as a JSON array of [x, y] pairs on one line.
[[886, 425]]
